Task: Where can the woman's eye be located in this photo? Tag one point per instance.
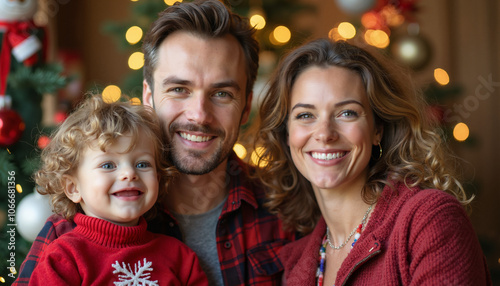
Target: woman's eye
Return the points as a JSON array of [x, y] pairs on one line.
[[349, 113], [142, 165], [304, 115]]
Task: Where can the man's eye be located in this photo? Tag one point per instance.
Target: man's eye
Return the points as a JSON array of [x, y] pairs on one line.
[[222, 94], [178, 90], [107, 165]]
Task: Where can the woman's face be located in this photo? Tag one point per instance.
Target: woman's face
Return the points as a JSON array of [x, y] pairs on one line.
[[331, 128]]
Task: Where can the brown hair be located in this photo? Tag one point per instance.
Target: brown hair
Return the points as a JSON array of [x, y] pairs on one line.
[[413, 150], [209, 18], [96, 122]]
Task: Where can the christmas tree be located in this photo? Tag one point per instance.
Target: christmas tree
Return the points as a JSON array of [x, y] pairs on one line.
[[25, 77]]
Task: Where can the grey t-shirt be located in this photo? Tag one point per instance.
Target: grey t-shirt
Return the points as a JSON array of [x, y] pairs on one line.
[[199, 234]]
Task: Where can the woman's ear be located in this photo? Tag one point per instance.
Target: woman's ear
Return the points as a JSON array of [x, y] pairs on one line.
[[379, 132], [71, 189]]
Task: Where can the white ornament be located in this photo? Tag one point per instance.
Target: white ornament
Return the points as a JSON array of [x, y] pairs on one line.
[[31, 214], [17, 10], [356, 7], [411, 50], [136, 277]]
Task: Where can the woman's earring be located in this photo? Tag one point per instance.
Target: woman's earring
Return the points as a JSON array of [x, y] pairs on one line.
[[380, 147]]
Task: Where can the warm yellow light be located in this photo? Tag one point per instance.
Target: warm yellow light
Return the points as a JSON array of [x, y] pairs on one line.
[[133, 35], [135, 101], [171, 2], [240, 150], [13, 270], [258, 21], [256, 154], [377, 38], [441, 76], [134, 0], [2, 279], [282, 34], [461, 132], [19, 189], [346, 30], [111, 93], [136, 61], [333, 34]]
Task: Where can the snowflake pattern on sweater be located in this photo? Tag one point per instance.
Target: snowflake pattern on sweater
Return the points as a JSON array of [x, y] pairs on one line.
[[140, 275]]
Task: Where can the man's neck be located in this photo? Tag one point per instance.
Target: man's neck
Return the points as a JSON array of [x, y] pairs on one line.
[[197, 194]]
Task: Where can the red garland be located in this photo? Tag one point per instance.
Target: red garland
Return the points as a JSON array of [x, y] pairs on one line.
[[15, 34]]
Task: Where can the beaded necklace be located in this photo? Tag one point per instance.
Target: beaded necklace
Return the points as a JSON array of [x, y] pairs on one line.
[[320, 273]]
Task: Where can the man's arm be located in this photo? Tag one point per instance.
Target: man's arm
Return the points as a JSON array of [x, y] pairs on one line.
[[54, 227]]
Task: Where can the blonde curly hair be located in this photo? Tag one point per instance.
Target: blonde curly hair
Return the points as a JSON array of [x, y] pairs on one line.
[[413, 149], [100, 124]]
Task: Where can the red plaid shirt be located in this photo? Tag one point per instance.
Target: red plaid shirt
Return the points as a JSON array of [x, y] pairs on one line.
[[249, 238]]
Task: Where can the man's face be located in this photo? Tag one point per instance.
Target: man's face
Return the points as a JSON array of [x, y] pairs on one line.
[[199, 93]]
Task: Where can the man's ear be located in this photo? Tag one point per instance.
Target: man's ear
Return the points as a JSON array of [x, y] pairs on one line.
[[147, 95], [248, 108], [71, 189]]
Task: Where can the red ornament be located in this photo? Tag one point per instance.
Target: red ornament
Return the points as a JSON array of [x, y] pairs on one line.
[[11, 127], [43, 141], [59, 117]]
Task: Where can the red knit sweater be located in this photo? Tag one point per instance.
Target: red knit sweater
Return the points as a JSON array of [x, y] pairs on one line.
[[98, 252], [414, 237]]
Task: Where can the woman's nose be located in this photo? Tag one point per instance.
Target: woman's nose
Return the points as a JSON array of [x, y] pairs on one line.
[[325, 131]]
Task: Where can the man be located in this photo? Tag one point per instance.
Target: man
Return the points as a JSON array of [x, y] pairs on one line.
[[201, 62]]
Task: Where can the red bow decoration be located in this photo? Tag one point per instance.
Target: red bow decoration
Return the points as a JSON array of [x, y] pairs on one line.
[[18, 41]]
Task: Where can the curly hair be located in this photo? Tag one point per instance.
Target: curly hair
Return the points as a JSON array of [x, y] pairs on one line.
[[98, 124], [204, 18], [413, 149]]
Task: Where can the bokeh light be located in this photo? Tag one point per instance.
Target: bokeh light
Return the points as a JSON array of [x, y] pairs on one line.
[[135, 101], [240, 150], [377, 38], [256, 154], [258, 21], [461, 132], [133, 35], [111, 93], [171, 2], [282, 34], [333, 34], [136, 61], [346, 30], [441, 76]]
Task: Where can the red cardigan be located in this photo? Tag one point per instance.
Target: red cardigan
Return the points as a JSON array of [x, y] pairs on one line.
[[414, 237], [98, 252]]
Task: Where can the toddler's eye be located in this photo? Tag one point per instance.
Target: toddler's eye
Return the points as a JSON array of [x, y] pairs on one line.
[[107, 165], [143, 164]]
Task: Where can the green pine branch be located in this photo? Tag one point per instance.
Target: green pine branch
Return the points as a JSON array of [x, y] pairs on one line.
[[46, 79]]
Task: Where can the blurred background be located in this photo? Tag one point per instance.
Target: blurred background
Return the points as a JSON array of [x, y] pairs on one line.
[[69, 47]]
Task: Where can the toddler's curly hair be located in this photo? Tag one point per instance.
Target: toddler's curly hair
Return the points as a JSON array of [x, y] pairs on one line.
[[97, 124]]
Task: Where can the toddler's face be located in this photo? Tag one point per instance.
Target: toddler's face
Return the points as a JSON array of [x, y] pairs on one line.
[[116, 185]]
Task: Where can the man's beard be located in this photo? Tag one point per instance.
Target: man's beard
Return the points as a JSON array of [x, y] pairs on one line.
[[194, 162]]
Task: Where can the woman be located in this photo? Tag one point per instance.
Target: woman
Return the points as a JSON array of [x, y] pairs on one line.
[[352, 161]]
